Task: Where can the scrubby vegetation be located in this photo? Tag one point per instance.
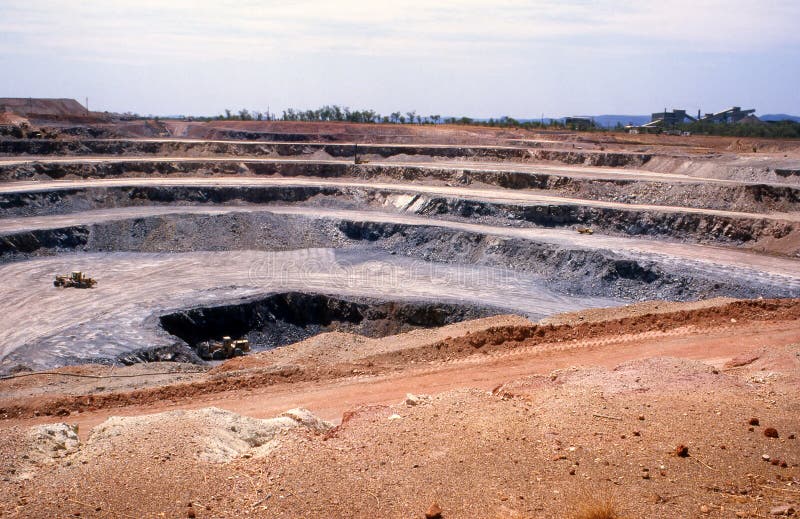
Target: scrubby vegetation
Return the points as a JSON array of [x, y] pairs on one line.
[[335, 113]]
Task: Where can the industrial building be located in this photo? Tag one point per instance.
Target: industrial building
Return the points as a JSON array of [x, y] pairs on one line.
[[668, 119], [676, 117], [730, 116], [579, 123]]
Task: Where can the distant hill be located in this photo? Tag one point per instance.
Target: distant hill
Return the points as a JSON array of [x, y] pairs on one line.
[[779, 117]]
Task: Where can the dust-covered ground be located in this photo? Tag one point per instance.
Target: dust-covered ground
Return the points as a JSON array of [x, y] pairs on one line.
[[691, 411]]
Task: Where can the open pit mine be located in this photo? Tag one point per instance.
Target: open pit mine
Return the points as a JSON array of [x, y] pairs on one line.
[[483, 322]]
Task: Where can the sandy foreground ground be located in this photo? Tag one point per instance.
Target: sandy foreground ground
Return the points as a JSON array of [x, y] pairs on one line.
[[655, 410]]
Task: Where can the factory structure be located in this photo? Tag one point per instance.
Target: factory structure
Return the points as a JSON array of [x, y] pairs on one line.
[[579, 123], [670, 119]]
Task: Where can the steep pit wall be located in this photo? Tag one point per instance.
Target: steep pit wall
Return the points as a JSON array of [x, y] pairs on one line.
[[285, 318], [739, 197], [567, 269], [686, 227], [21, 147], [694, 227], [611, 159]]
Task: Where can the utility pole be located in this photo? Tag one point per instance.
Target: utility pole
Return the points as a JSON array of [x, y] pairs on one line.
[[87, 104]]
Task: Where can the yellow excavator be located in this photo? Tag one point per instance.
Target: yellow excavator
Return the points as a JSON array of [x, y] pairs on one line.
[[585, 230], [76, 279]]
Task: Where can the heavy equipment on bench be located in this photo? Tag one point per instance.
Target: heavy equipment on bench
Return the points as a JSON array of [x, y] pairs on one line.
[[76, 279], [221, 350]]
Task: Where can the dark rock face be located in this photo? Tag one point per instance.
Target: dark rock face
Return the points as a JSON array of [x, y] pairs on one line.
[[177, 352], [255, 148], [289, 317], [745, 197], [50, 239]]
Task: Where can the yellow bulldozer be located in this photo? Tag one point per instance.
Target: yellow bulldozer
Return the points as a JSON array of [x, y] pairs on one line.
[[585, 230], [227, 348], [76, 279]]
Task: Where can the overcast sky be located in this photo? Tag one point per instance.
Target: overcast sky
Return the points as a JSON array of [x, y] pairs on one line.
[[452, 57]]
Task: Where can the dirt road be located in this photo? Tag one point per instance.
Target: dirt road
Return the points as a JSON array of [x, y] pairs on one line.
[[522, 197]]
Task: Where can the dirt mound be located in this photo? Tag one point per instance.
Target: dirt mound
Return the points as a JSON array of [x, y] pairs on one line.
[[512, 337], [31, 106], [218, 436], [27, 449], [595, 315], [50, 442]]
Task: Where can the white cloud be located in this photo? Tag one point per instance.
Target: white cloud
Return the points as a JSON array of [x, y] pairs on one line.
[[480, 58], [150, 30]]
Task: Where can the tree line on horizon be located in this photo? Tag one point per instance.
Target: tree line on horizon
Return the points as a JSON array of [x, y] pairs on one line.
[[335, 113]]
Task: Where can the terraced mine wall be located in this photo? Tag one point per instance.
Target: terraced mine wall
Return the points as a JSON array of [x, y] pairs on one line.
[[210, 148], [289, 317], [21, 147], [722, 196], [685, 226], [572, 270], [431, 236]]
